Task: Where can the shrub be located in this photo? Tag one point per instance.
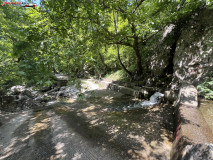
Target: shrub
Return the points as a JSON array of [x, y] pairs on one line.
[[206, 89]]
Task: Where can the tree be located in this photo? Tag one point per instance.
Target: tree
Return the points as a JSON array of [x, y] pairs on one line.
[[136, 21], [67, 36]]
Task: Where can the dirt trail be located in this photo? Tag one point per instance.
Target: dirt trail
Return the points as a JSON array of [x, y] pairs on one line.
[[88, 129]]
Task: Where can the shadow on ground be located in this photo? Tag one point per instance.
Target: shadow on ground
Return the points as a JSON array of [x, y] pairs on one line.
[[93, 128], [140, 134]]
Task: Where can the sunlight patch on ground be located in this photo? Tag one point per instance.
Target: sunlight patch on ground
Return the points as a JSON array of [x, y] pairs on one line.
[[93, 122], [70, 100], [88, 108], [113, 130], [151, 150], [38, 127], [88, 114], [9, 150], [59, 150], [77, 156], [39, 123], [6, 131]]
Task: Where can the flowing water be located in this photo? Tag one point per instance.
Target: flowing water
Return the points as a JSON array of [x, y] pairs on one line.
[[206, 108], [154, 99], [95, 127]]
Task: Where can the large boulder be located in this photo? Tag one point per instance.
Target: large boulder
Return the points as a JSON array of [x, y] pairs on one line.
[[182, 52], [198, 152], [193, 59], [160, 50]]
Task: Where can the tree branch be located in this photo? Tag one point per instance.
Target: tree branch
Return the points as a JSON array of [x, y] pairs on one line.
[[121, 43], [138, 5]]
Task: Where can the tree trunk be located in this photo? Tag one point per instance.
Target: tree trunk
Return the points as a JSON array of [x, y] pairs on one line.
[[137, 51], [105, 49], [122, 65], [118, 49], [138, 55], [102, 60]]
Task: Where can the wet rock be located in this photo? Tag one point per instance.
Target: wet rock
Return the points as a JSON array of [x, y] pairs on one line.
[[170, 96], [198, 152]]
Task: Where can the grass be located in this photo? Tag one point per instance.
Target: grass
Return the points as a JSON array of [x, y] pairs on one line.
[[118, 75]]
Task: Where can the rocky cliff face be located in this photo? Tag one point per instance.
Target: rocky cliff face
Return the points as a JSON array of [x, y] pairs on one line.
[[193, 59], [183, 52]]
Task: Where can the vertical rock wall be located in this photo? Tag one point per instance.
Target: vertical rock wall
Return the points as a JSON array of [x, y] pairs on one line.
[[183, 52], [193, 59]]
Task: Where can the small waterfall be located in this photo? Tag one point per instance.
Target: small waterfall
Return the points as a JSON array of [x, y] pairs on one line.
[[154, 99]]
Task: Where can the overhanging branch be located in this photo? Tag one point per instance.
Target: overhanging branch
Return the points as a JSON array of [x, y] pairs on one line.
[[138, 5], [121, 43]]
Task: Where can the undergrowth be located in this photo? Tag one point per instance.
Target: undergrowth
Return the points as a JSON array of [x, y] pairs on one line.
[[206, 89]]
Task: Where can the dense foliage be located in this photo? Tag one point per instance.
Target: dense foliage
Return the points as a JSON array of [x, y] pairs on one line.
[[87, 37], [206, 89]]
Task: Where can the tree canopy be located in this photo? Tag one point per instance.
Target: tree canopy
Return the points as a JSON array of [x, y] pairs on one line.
[[69, 36]]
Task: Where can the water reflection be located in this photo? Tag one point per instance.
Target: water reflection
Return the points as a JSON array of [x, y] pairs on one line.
[[206, 108]]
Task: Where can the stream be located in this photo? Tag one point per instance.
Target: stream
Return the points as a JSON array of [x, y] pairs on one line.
[[206, 108], [88, 129]]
